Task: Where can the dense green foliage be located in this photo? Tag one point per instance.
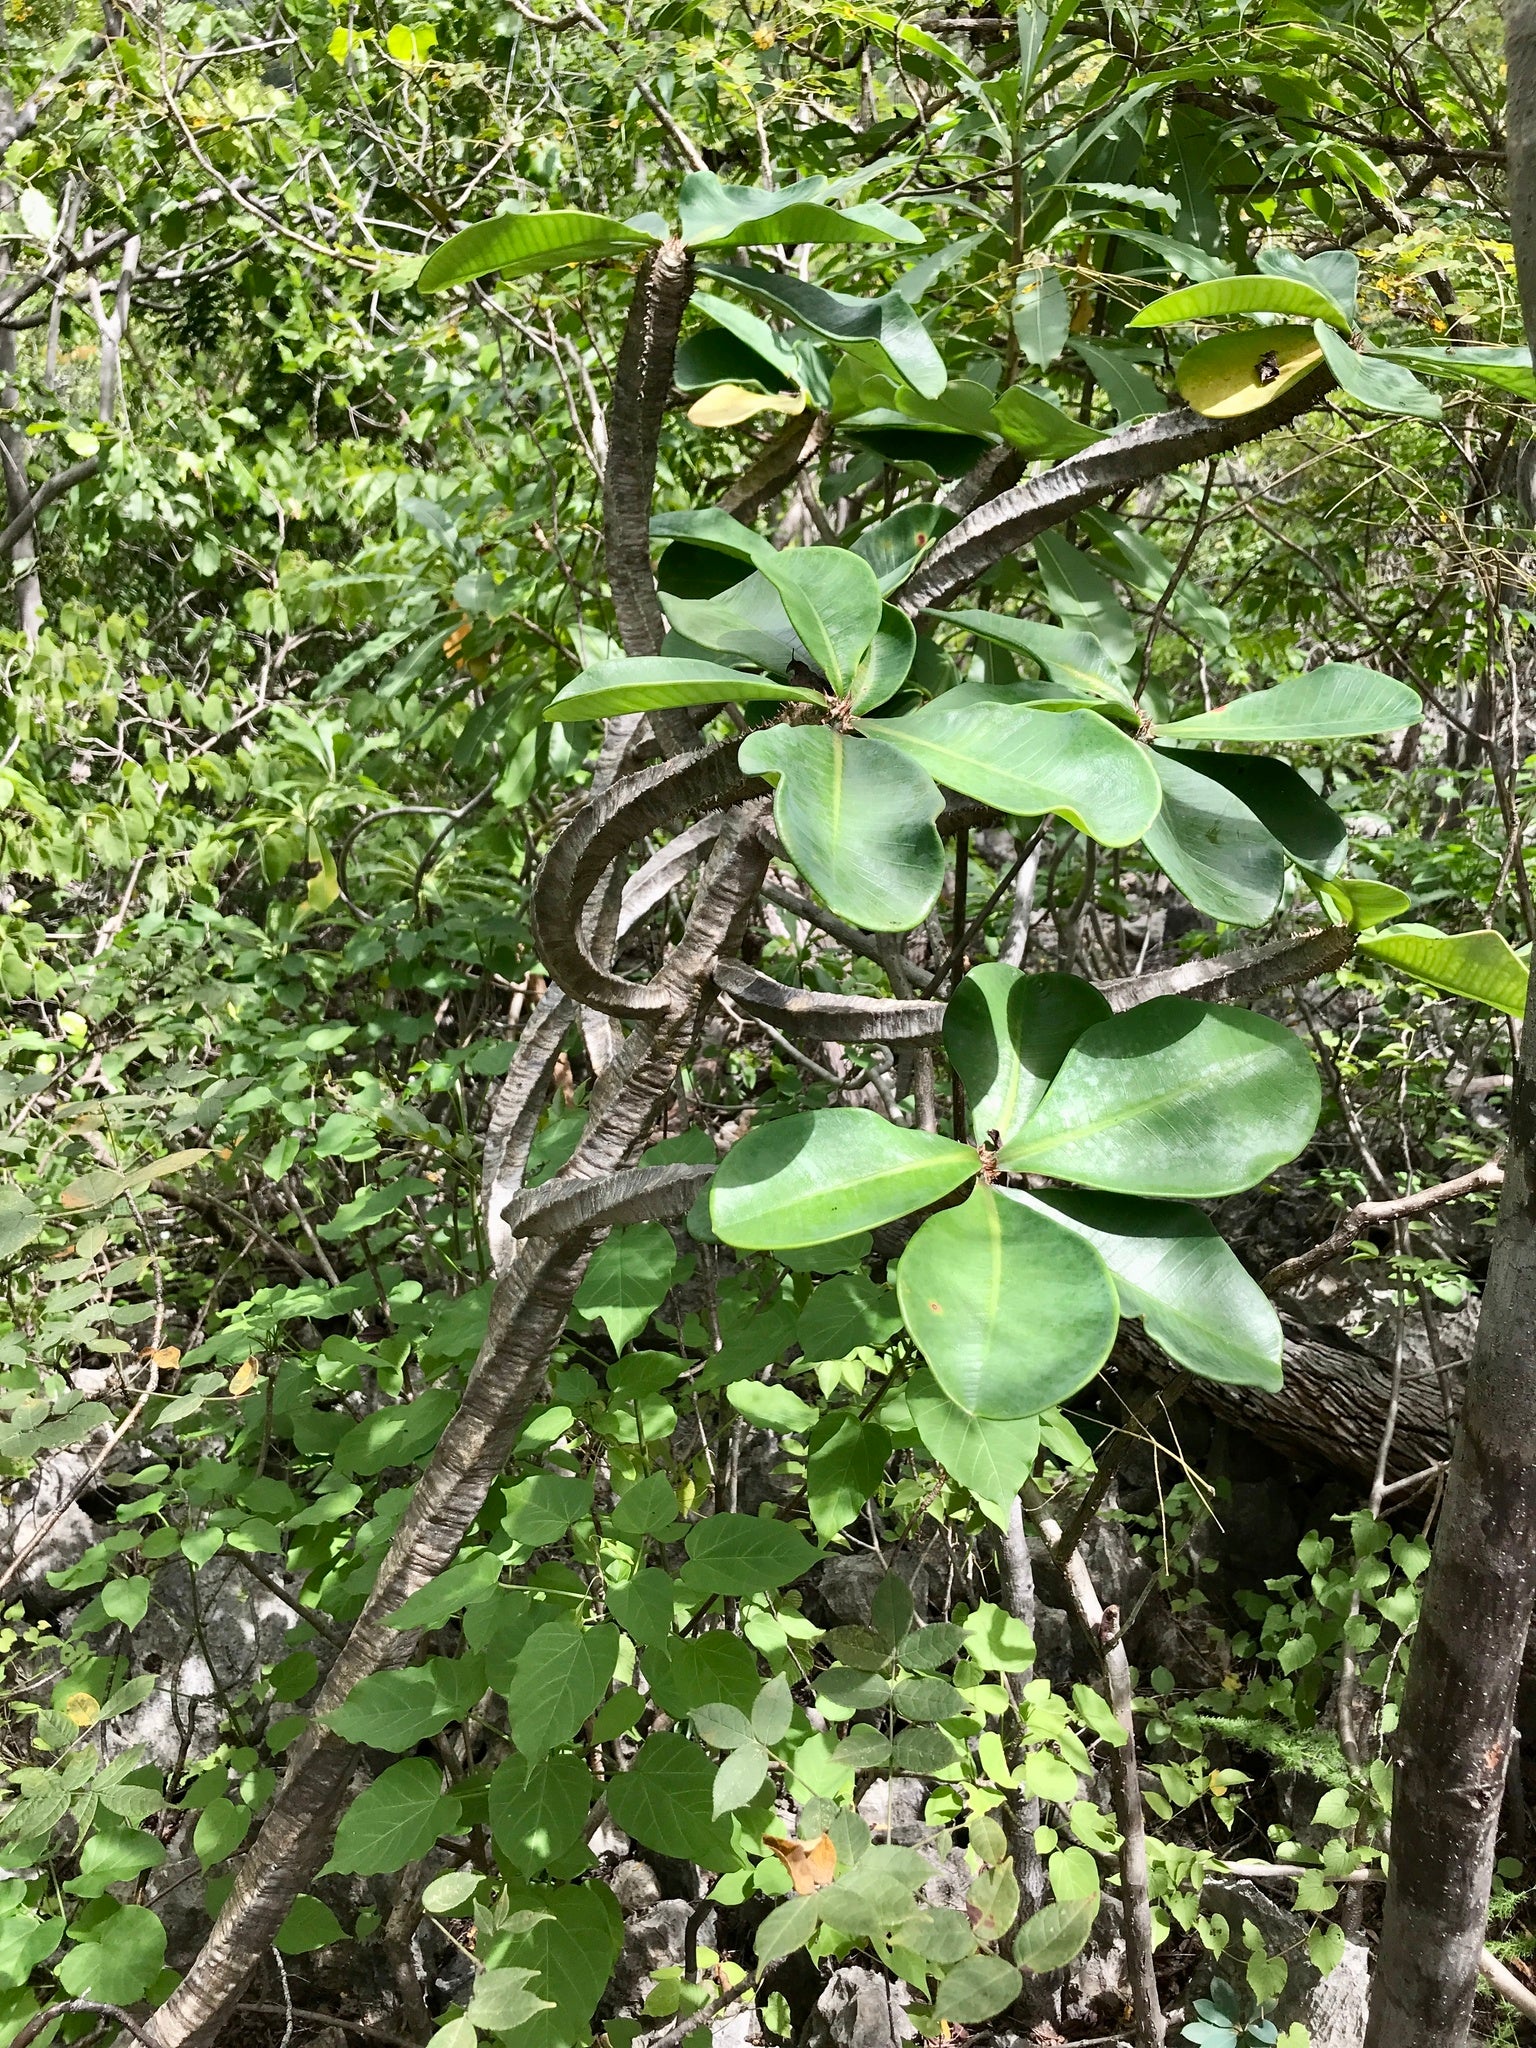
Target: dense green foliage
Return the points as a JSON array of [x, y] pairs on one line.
[[314, 666]]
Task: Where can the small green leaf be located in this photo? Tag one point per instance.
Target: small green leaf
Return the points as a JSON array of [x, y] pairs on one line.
[[1007, 1033], [990, 1459], [1012, 1317], [740, 1554], [1361, 904], [609, 689], [771, 1407], [502, 2002], [628, 1279], [1174, 1098], [1038, 427], [221, 1828], [845, 1461], [1058, 1933], [308, 1925], [786, 1928], [394, 1820], [1480, 965], [821, 1175], [856, 818], [1340, 700], [666, 1801], [739, 1779], [1099, 1715], [560, 1677], [518, 244], [978, 1989], [833, 601], [1226, 298], [1211, 845]]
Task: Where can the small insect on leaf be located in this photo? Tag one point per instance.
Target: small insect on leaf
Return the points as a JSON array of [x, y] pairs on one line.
[[1267, 368], [811, 1865], [248, 1377]]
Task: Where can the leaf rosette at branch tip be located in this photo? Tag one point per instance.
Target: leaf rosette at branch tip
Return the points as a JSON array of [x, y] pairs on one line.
[[1014, 1296]]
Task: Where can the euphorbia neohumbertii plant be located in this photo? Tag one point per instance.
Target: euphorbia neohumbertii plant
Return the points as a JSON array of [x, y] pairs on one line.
[[1095, 1118]]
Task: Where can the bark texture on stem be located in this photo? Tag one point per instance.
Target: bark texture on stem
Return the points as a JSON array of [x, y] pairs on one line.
[[1453, 1741]]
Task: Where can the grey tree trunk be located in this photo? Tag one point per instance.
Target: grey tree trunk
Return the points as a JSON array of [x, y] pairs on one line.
[[1453, 1744]]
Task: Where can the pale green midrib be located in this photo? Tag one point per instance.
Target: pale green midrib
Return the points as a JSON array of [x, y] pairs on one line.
[[868, 1183], [1237, 1070]]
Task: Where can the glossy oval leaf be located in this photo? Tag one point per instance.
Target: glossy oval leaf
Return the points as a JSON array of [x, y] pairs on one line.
[[1284, 803], [517, 244], [991, 1459], [856, 818], [1506, 369], [1080, 594], [832, 599], [886, 332], [747, 620], [1232, 374], [1341, 700], [1174, 1098], [1172, 1268], [893, 547], [708, 527], [1026, 762], [1480, 965], [813, 1178], [1376, 381], [648, 682], [888, 662], [1359, 902], [1211, 845], [719, 216], [1228, 298], [1012, 1312], [1007, 1033], [713, 357]]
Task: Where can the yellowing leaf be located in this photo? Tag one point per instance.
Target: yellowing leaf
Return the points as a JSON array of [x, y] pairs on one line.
[[729, 404], [1237, 373], [247, 1377], [165, 1359], [83, 1708], [410, 45]]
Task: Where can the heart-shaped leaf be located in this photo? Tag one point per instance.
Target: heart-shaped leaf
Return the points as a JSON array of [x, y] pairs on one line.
[[885, 332], [1226, 298], [720, 216], [1376, 381], [856, 818], [1173, 1098], [1027, 762], [1172, 1269], [1011, 1311], [648, 682], [1007, 1034], [1208, 841], [1480, 965], [1285, 805], [832, 600], [517, 244], [1232, 374], [813, 1178], [1341, 700]]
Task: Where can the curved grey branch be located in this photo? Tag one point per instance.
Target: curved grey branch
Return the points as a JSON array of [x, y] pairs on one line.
[[621, 816], [1135, 455], [639, 1194], [1240, 977], [804, 1013]]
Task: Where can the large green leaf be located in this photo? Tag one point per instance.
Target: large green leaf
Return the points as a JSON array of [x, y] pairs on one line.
[[832, 599], [1376, 381], [1506, 369], [888, 663], [1209, 842], [991, 1459], [1012, 1312], [569, 1935], [856, 818], [1287, 806], [395, 1820], [397, 1709], [1335, 272], [713, 357], [1038, 427], [886, 332], [1050, 1939], [742, 1554], [1480, 965], [653, 682], [1172, 1269], [1007, 1034], [518, 244], [1026, 762], [893, 547], [1173, 1098], [1077, 660], [561, 1675], [1339, 701], [1231, 374], [708, 527], [1082, 597], [1226, 298], [537, 1810], [753, 334], [813, 1178], [719, 216]]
